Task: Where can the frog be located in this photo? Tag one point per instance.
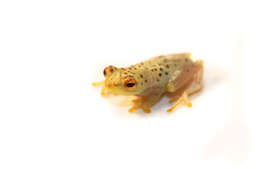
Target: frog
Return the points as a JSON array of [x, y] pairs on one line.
[[174, 75]]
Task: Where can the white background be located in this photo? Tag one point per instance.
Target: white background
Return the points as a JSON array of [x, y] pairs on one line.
[[51, 116]]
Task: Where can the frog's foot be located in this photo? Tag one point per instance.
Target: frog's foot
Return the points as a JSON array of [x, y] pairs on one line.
[[103, 91], [174, 98], [175, 95], [182, 100], [98, 83], [140, 102], [145, 109]]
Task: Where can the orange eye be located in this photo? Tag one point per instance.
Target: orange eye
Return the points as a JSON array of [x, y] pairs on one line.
[[108, 70], [130, 84]]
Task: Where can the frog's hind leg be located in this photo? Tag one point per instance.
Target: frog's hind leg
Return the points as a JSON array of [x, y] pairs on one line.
[[183, 99], [194, 86]]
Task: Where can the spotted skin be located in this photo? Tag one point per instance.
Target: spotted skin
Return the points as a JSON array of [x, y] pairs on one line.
[[173, 74]]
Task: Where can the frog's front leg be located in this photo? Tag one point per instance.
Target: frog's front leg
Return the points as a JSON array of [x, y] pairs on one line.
[[147, 101], [101, 83], [187, 83], [140, 102]]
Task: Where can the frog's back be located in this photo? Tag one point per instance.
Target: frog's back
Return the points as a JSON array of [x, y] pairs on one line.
[[168, 63], [172, 62]]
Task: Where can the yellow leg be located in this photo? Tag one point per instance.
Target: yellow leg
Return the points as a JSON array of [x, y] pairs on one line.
[[174, 98], [98, 83], [182, 100], [136, 105], [139, 103], [103, 91], [145, 109]]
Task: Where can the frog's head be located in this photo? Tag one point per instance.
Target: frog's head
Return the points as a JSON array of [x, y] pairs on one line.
[[119, 81]]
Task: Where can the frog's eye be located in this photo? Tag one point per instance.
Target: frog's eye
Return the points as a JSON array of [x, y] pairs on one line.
[[109, 70], [130, 84]]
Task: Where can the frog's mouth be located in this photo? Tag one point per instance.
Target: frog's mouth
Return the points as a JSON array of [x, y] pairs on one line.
[[116, 90], [119, 90], [112, 87]]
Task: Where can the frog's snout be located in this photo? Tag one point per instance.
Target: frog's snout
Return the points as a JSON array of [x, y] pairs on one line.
[[110, 84]]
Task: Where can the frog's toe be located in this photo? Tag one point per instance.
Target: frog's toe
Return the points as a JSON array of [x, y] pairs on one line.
[[140, 103], [182, 100], [98, 83], [103, 92], [146, 109], [132, 109]]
